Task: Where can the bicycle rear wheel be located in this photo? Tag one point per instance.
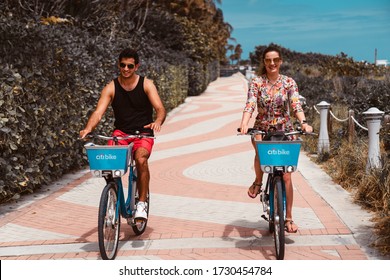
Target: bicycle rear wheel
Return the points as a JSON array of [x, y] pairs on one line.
[[108, 222], [278, 218]]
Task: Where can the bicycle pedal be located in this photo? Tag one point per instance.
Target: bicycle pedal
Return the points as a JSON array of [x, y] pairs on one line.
[[265, 218], [139, 220]]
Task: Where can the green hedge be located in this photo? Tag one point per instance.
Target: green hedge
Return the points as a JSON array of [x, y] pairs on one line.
[[51, 80]]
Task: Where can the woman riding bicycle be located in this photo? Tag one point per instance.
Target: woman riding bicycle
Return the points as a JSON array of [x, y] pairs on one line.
[[274, 94]]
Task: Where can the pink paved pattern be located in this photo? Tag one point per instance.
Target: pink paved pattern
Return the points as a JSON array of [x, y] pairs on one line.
[[58, 220]]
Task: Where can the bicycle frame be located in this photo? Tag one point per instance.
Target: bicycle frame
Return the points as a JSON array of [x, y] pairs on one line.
[[113, 162], [277, 154], [112, 165], [124, 207]]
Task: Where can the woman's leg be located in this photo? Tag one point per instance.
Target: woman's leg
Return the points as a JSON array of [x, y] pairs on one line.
[[254, 189], [291, 226], [258, 171]]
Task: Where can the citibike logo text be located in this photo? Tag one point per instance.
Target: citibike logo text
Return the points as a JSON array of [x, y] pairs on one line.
[[278, 152], [106, 157]]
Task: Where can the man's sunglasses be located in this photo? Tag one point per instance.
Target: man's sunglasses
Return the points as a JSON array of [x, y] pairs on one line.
[[130, 66]]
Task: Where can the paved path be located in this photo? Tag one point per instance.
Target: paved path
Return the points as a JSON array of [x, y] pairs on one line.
[[199, 207]]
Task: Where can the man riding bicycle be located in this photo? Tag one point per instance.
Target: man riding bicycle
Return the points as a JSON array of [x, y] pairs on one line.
[[133, 98]]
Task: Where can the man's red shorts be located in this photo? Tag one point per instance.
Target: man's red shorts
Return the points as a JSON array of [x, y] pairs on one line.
[[146, 143]]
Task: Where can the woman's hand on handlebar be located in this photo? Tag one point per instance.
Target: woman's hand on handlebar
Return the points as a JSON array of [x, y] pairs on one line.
[[307, 128], [243, 129]]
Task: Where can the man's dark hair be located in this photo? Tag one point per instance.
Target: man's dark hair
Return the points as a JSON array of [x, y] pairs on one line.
[[129, 53]]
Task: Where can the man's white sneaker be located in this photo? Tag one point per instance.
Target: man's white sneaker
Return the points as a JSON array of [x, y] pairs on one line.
[[140, 212]]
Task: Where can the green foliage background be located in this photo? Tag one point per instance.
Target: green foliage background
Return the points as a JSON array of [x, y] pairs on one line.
[[56, 56]]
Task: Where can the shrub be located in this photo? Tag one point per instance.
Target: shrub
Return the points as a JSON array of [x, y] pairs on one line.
[[57, 55]]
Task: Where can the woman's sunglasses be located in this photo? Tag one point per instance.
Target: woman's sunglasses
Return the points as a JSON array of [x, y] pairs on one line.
[[276, 60]]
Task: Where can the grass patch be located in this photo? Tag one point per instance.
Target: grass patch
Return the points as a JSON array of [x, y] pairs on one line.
[[346, 164]]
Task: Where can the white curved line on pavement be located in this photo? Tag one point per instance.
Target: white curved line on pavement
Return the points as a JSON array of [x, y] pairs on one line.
[[232, 213], [200, 128], [233, 169], [220, 108], [198, 147], [14, 233]]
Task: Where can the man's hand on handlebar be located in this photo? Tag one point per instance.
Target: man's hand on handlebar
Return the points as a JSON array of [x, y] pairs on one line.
[[155, 126], [84, 133]]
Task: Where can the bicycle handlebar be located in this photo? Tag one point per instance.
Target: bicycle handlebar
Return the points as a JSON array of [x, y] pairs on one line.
[[117, 138], [253, 131]]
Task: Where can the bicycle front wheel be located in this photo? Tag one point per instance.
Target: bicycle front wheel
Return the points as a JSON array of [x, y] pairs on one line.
[[108, 222], [278, 218]]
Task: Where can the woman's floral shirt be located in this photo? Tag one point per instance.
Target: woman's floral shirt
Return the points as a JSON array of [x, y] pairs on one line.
[[272, 102]]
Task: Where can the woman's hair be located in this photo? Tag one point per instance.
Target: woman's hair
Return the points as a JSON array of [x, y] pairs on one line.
[[271, 48]]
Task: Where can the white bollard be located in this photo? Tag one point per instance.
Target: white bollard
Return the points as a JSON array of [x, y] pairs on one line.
[[323, 139], [373, 117]]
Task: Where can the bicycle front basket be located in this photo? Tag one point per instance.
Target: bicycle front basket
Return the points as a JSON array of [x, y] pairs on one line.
[[108, 160], [278, 154]]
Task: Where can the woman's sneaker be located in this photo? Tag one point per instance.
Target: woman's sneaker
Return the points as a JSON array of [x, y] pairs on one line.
[[141, 211]]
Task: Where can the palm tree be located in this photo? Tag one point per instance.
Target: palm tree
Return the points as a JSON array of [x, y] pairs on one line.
[[238, 53]]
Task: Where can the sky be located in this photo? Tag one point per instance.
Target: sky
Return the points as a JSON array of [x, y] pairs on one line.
[[354, 27]]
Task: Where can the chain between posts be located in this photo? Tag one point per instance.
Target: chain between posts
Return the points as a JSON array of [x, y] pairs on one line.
[[373, 116], [343, 120]]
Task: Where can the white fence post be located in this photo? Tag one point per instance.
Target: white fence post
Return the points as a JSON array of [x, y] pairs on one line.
[[323, 139], [373, 117]]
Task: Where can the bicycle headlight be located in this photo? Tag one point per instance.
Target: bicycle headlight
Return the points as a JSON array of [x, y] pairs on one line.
[[117, 173], [267, 169], [290, 169], [96, 173]]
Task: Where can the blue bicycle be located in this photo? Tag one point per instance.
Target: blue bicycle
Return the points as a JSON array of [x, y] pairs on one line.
[[278, 153], [111, 163]]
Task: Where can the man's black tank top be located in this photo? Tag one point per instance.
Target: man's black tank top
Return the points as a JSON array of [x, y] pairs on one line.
[[132, 109]]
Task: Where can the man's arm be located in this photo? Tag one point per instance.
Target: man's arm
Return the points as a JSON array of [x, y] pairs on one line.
[[104, 101], [155, 100]]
